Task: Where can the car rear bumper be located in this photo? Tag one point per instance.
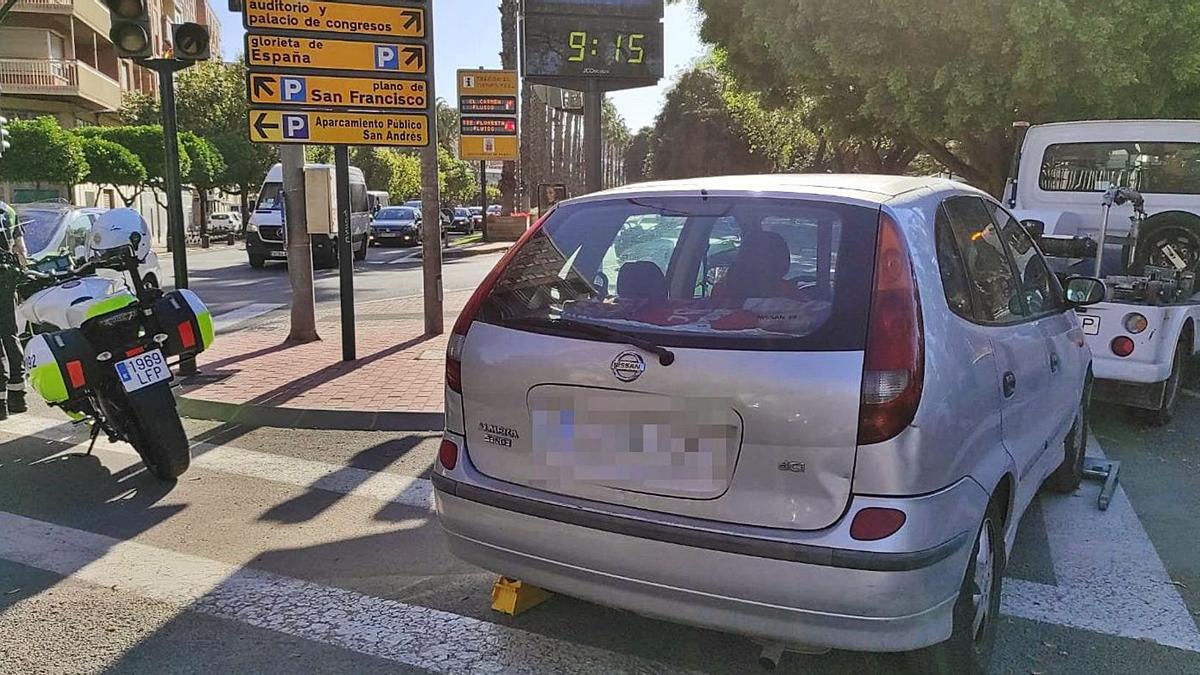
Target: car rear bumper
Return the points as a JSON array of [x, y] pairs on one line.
[[779, 589], [1107, 367]]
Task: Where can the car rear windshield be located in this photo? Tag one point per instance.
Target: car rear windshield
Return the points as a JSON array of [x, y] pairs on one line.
[[740, 272], [1152, 168]]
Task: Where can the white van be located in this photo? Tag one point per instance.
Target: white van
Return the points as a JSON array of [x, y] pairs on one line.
[[378, 199], [265, 231]]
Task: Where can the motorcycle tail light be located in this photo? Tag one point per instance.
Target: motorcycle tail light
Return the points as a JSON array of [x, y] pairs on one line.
[[75, 374], [187, 336]]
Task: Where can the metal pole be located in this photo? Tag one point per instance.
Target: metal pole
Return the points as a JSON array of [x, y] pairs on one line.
[[483, 193], [345, 244], [431, 226], [299, 246], [172, 183], [593, 102]]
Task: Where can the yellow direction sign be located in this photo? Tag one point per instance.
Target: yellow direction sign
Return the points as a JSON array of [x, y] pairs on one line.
[[338, 92], [487, 83], [479, 148], [356, 18], [301, 55], [331, 128]]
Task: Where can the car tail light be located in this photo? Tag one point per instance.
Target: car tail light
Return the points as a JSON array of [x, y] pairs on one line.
[[448, 455], [873, 524], [1122, 346], [458, 335], [894, 363]]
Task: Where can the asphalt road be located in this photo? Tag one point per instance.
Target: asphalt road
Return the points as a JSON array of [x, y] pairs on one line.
[[223, 278], [287, 551]]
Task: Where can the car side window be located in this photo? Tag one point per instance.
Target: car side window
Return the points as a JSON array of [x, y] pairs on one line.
[[995, 292], [78, 232], [953, 272], [1040, 287]]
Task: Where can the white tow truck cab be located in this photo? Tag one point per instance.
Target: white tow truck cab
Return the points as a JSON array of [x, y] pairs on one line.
[[1080, 182]]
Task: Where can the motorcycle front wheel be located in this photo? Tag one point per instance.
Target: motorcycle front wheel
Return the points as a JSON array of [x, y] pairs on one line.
[[157, 434]]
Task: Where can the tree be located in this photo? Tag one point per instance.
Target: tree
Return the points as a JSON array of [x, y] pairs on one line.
[[447, 125], [406, 180], [636, 154], [146, 142], [207, 166], [695, 134], [113, 165], [42, 152], [458, 182], [508, 58], [950, 78]]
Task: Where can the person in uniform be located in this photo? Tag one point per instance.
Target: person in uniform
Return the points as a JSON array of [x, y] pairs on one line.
[[12, 273]]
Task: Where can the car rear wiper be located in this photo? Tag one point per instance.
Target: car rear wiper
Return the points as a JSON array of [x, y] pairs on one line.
[[665, 356]]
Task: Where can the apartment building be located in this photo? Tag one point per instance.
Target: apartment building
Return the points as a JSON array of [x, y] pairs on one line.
[[56, 58]]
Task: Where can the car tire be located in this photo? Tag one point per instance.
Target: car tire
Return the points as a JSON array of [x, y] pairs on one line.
[[1162, 415], [1067, 477], [258, 262], [361, 254], [977, 610]]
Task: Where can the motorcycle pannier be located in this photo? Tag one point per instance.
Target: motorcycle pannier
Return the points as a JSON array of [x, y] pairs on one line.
[[186, 321], [60, 365]]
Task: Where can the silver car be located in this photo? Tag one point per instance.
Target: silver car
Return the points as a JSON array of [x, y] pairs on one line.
[[807, 409]]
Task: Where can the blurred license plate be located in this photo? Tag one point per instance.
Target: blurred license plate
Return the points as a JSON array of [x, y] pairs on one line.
[[278, 254], [143, 370], [1091, 325]]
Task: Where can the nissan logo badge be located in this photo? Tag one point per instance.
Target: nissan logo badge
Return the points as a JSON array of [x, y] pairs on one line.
[[628, 366]]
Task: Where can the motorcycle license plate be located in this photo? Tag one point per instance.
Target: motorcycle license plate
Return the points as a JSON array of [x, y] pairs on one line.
[[143, 370]]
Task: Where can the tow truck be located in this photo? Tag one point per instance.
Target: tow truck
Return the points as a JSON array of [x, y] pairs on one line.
[[1120, 200]]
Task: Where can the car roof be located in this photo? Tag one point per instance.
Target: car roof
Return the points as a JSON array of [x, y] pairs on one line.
[[866, 187]]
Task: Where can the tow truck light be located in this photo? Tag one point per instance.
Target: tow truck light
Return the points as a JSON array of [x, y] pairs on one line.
[[1135, 323], [1122, 346]]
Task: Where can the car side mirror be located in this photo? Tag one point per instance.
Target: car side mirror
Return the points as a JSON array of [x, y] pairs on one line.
[[1036, 228], [1085, 291]]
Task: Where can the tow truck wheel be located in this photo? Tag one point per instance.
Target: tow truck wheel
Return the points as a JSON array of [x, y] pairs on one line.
[[1162, 415]]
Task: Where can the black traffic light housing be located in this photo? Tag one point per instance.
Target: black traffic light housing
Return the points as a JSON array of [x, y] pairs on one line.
[[130, 32], [4, 144], [190, 42]]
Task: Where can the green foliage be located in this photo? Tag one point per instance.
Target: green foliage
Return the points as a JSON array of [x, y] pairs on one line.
[[950, 78], [636, 155], [206, 162], [42, 152], [457, 179], [111, 164], [138, 108], [696, 135], [447, 126], [406, 180], [146, 142]]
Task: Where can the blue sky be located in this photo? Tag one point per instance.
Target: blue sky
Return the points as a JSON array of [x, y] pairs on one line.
[[468, 36]]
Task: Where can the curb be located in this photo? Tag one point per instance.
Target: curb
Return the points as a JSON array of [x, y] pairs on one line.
[[298, 418]]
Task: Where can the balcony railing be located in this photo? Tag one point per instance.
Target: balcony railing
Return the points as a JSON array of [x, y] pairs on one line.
[[43, 4], [91, 12], [57, 77]]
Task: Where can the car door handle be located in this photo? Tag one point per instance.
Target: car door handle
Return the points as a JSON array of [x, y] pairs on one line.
[[1054, 363], [1010, 384]]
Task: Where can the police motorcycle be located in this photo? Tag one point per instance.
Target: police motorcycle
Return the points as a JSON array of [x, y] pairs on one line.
[[102, 343]]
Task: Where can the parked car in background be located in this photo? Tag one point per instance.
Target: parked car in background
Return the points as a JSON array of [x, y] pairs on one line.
[[493, 209], [224, 223], [476, 215], [53, 228], [396, 225], [461, 221], [835, 396]]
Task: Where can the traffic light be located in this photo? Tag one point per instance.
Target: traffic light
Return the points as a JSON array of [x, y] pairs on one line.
[[4, 144], [130, 32], [190, 41]]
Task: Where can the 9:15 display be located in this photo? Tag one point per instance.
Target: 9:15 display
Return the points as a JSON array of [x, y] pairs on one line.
[[629, 47]]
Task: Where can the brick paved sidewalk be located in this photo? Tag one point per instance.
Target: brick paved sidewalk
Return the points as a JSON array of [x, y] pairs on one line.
[[398, 368]]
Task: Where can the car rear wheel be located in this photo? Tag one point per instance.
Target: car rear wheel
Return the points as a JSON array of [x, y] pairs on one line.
[[361, 253], [257, 261], [977, 611]]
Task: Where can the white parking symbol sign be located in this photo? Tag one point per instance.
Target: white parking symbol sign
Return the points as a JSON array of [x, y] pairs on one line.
[[295, 126]]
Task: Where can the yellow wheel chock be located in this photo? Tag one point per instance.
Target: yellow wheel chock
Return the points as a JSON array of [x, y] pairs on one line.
[[514, 597]]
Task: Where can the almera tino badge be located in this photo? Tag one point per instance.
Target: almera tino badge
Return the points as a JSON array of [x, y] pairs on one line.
[[628, 366]]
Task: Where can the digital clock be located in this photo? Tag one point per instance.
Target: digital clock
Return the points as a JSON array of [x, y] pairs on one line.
[[593, 48]]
